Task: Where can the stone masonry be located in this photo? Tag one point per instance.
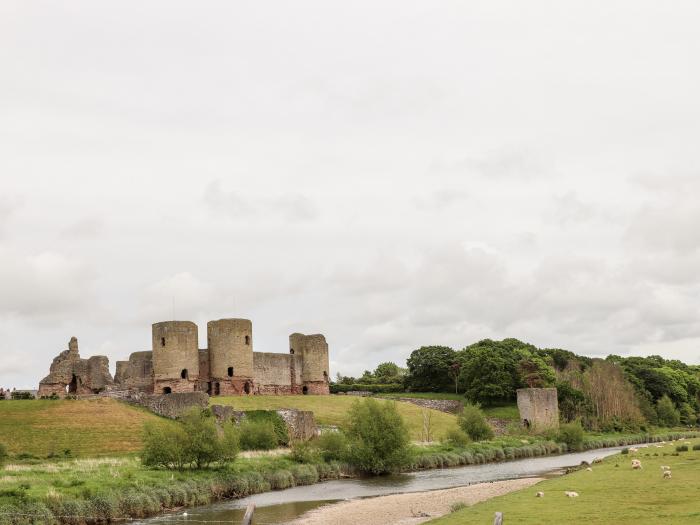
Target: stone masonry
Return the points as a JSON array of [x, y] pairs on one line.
[[539, 408], [175, 364]]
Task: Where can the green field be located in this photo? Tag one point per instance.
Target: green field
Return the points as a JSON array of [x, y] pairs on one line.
[[87, 427], [608, 494], [424, 395], [332, 410]]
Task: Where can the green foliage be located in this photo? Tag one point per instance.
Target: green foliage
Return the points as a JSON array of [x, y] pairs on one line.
[[164, 446], [696, 446], [258, 435], [474, 424], [625, 451], [230, 442], [333, 446], [456, 437], [204, 445], [17, 395], [667, 413], [455, 507], [304, 452], [571, 434], [572, 402], [388, 373], [682, 448], [378, 437], [275, 419], [687, 414], [429, 368]]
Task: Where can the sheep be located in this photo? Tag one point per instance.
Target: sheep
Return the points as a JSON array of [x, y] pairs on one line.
[[597, 460], [570, 494], [665, 467], [634, 450], [589, 469], [667, 474], [636, 464], [539, 495]]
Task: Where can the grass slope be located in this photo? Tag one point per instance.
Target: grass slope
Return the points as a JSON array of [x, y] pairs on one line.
[[87, 427], [332, 410], [608, 494]]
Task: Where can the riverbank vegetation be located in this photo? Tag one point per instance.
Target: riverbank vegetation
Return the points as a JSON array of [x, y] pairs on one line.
[[610, 492]]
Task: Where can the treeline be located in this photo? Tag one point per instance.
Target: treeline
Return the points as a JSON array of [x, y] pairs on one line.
[[616, 393]]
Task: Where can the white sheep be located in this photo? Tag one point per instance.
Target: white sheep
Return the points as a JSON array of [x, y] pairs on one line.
[[634, 450], [667, 474], [539, 495], [589, 469], [636, 464], [597, 460], [571, 494], [665, 467]]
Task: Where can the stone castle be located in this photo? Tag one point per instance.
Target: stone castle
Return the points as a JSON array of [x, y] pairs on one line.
[[228, 366]]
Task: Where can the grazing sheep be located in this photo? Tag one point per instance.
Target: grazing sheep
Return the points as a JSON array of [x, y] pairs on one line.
[[539, 495], [665, 467], [634, 450], [589, 469], [570, 494], [667, 474], [636, 464], [597, 460]]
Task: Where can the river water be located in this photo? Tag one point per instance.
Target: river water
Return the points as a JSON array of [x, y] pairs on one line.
[[282, 506]]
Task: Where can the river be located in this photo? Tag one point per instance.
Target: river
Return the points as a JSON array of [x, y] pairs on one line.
[[282, 506]]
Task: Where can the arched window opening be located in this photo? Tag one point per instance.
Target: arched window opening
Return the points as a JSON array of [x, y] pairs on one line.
[[247, 339], [526, 423], [167, 390], [305, 390], [184, 374], [291, 351], [230, 371], [246, 387], [162, 341], [217, 389], [73, 386]]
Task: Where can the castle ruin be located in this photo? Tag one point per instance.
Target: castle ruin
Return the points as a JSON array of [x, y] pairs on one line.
[[228, 366], [539, 408]]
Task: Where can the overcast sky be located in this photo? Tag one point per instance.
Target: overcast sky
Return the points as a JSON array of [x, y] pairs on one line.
[[390, 174]]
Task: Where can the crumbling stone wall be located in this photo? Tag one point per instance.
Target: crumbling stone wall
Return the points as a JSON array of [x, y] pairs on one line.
[[539, 408], [69, 374], [277, 374], [301, 425], [170, 405], [136, 373], [443, 405]]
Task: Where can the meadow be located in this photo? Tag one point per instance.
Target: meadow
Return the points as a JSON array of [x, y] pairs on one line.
[[332, 410], [612, 492]]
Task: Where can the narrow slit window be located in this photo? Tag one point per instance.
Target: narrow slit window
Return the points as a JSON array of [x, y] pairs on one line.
[[230, 371], [162, 341], [184, 373], [247, 339]]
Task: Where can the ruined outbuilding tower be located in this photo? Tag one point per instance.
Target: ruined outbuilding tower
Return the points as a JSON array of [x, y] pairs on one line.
[[71, 375], [539, 408]]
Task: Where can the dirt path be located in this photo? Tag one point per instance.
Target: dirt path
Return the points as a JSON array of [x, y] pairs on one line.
[[408, 509]]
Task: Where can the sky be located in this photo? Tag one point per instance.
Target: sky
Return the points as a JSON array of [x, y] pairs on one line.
[[391, 174]]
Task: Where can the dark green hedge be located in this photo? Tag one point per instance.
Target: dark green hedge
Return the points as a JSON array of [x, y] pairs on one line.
[[375, 389]]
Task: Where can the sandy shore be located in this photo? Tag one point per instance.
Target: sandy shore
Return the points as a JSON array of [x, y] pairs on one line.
[[408, 509]]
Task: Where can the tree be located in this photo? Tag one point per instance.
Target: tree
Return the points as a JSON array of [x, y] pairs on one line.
[[454, 374], [428, 369], [667, 413], [377, 435], [388, 373], [204, 445], [165, 446]]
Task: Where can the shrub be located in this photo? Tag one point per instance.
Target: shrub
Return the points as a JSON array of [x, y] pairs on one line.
[[390, 388], [332, 446], [456, 437], [270, 416], [572, 435], [3, 455], [257, 435], [625, 451], [667, 413], [164, 447], [204, 445], [305, 474], [682, 448], [304, 452], [458, 506], [696, 446], [473, 422], [230, 442], [378, 437]]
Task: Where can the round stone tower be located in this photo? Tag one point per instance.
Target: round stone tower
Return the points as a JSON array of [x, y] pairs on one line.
[[175, 357], [230, 343], [313, 352]]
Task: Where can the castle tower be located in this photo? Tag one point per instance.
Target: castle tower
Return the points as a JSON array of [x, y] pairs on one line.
[[230, 343], [313, 351], [175, 357]]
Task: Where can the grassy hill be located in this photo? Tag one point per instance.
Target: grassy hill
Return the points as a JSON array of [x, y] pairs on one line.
[[607, 494], [332, 410], [87, 427]]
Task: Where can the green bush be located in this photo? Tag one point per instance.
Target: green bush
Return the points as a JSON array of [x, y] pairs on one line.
[[164, 446], [696, 446], [682, 448], [270, 416], [378, 437], [456, 437], [258, 435], [667, 413], [473, 422], [333, 446], [625, 451], [3, 455], [204, 445], [304, 452], [572, 435]]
